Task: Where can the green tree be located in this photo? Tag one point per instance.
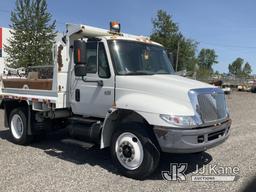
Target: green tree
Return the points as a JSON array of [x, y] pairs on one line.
[[217, 73], [235, 67], [33, 33], [167, 33], [247, 70], [206, 59]]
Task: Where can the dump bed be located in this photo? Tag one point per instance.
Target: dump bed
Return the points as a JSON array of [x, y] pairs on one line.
[[46, 84]]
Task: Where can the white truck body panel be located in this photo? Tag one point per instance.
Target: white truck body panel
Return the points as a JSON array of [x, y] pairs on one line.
[[150, 95]]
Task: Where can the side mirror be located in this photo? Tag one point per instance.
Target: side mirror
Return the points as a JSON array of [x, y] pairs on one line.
[[80, 58], [80, 70]]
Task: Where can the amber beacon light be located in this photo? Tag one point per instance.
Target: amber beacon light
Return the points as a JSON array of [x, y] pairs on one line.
[[115, 27]]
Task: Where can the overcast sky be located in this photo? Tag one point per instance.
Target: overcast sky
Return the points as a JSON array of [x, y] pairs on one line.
[[228, 26]]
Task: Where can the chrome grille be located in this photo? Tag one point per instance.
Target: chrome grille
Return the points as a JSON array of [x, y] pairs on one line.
[[212, 107]]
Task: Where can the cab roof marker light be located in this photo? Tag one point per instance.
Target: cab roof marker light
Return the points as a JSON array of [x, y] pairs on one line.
[[115, 27]]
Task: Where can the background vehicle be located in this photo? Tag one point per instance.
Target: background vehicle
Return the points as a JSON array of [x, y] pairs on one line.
[[118, 91], [244, 87], [226, 88]]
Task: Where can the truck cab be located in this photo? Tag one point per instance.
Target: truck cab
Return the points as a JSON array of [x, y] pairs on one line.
[[120, 91]]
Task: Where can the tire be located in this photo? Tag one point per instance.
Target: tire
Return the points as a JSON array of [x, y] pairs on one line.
[[133, 151], [18, 127]]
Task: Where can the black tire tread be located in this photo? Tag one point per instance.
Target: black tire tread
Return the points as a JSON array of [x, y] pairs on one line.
[[151, 153], [25, 139]]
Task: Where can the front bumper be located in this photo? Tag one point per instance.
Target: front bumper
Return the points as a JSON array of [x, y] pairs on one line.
[[178, 140]]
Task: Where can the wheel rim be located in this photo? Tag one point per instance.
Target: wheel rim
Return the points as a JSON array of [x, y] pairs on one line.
[[129, 151], [17, 126]]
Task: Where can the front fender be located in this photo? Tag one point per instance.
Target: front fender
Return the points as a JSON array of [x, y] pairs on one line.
[[147, 106], [150, 107]]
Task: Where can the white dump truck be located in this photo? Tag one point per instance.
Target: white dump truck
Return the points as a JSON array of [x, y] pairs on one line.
[[118, 91]]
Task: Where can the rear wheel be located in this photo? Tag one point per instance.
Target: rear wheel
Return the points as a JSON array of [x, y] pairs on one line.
[[18, 124], [133, 152]]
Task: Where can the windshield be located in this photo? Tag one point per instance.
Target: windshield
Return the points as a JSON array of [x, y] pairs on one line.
[[136, 58]]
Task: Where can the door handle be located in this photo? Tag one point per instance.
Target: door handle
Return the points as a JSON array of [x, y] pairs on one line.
[[77, 95], [99, 82]]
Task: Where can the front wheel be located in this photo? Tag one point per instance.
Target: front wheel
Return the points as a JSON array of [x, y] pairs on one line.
[[133, 152], [18, 124]]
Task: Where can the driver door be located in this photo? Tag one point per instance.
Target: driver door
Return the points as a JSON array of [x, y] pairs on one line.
[[88, 97]]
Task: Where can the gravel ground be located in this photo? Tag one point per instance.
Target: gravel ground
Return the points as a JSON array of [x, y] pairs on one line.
[[55, 165]]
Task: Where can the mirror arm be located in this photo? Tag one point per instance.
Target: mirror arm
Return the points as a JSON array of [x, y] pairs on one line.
[[99, 82]]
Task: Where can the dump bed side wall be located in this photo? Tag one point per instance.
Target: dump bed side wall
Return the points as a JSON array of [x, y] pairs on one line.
[[57, 95]]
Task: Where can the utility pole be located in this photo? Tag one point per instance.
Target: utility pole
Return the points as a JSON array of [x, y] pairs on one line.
[[177, 56]]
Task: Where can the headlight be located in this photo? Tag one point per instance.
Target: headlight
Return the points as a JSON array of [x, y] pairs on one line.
[[179, 121]]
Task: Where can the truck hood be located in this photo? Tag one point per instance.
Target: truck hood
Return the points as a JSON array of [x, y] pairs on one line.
[[164, 94]]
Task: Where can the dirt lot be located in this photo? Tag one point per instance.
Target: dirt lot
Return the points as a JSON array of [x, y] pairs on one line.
[[55, 165]]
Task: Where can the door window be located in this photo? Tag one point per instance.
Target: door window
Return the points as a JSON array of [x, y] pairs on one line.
[[97, 59], [91, 48], [104, 71]]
